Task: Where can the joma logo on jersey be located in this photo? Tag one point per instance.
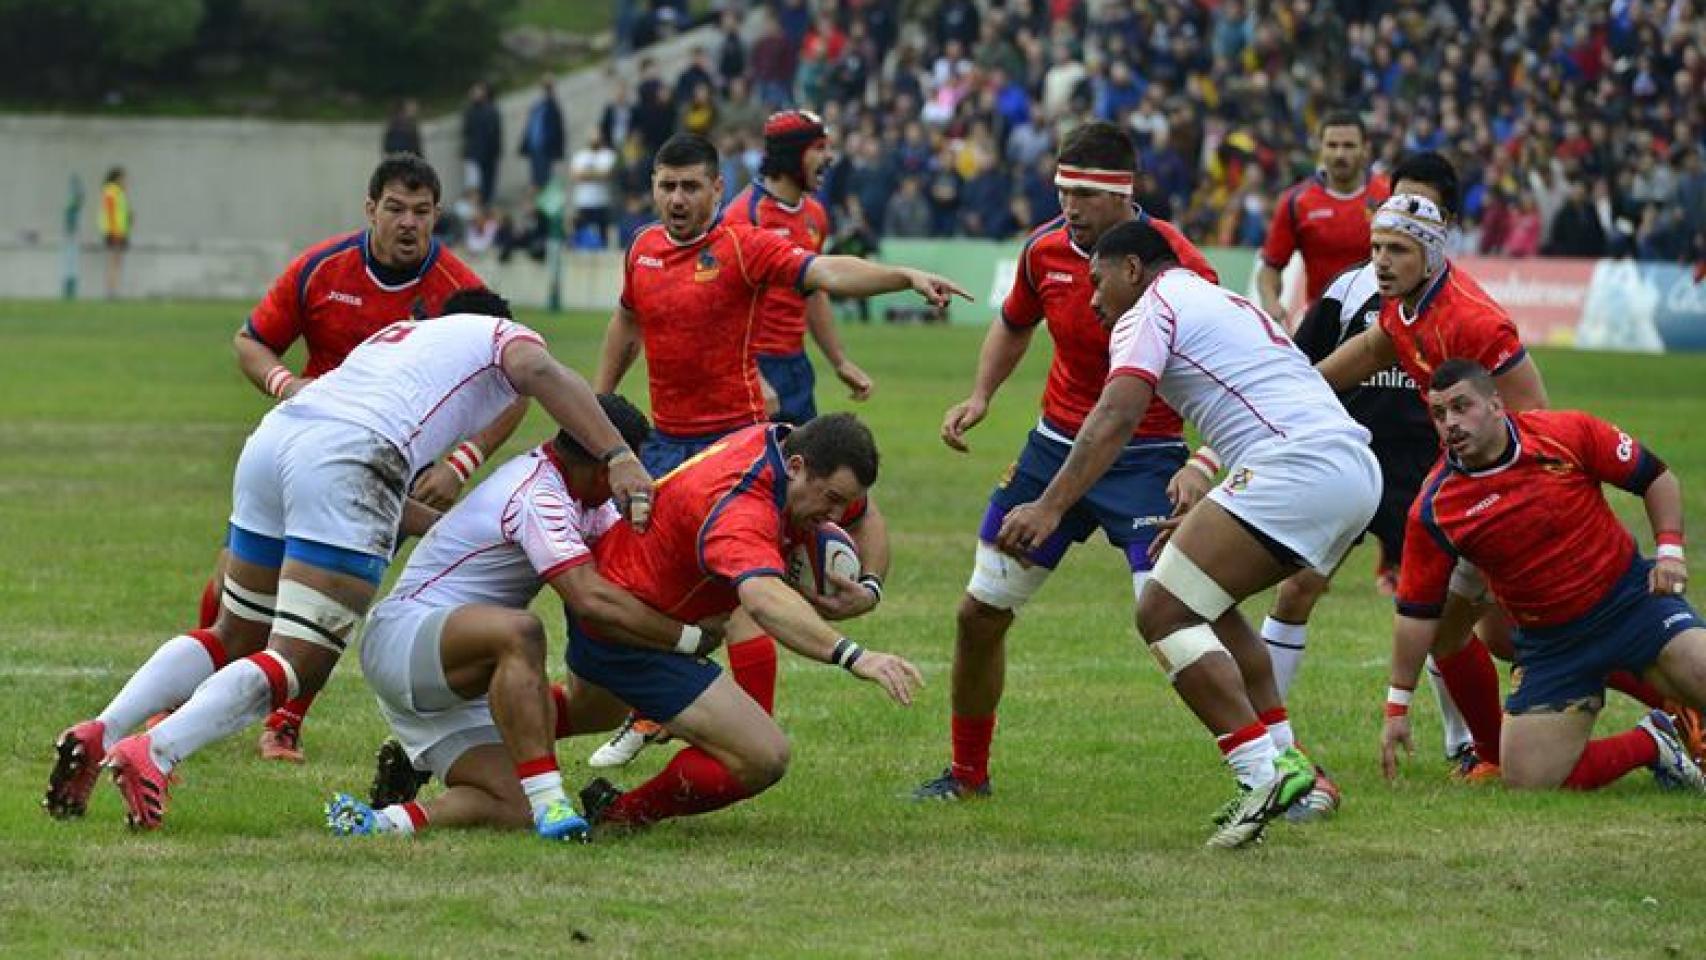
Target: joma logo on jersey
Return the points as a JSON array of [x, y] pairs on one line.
[[1320, 214], [645, 261], [1138, 523], [348, 298], [1058, 275], [1484, 504], [707, 268]]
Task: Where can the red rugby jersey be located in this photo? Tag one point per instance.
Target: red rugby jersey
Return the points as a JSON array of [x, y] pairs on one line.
[[330, 297], [1053, 286], [782, 310], [1536, 523], [717, 520], [1330, 229], [697, 307], [1454, 319]]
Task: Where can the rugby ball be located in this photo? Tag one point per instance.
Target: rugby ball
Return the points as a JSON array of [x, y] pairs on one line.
[[815, 555]]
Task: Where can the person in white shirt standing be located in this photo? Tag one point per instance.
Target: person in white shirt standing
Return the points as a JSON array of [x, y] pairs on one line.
[[318, 500], [1301, 485], [458, 662], [592, 169]]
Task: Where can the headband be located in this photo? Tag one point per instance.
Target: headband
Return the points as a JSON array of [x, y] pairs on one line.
[[1067, 176]]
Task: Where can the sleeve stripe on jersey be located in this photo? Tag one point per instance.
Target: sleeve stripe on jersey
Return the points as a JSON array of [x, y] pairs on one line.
[[1011, 325], [564, 566], [1137, 372], [800, 279], [1420, 611], [1647, 469], [755, 572], [1512, 361]]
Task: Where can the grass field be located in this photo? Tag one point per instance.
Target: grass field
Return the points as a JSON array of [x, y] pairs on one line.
[[118, 428]]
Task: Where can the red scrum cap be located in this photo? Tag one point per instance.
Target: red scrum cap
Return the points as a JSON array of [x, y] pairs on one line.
[[788, 134]]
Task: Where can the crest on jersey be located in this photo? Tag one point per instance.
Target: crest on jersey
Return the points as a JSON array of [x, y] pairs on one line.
[[707, 268], [1239, 480], [1007, 475]]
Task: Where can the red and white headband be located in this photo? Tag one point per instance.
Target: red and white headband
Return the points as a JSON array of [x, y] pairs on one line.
[[1067, 177]]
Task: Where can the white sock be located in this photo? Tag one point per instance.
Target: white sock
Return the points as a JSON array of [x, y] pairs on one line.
[[1253, 763], [1285, 648], [543, 789], [1280, 733], [1457, 735], [394, 819], [228, 701], [168, 679]]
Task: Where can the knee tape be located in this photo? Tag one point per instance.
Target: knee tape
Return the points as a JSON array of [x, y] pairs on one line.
[[1196, 590], [307, 614], [1003, 582], [1468, 583], [246, 604], [1181, 648]]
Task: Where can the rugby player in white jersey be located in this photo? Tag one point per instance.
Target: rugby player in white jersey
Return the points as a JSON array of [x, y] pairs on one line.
[[458, 662], [1301, 486], [318, 497]]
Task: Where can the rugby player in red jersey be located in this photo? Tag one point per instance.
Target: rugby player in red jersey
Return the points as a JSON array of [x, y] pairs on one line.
[[1324, 218], [715, 543], [1519, 495], [796, 153], [1432, 312]]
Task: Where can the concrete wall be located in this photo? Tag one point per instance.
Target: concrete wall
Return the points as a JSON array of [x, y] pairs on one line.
[[252, 181]]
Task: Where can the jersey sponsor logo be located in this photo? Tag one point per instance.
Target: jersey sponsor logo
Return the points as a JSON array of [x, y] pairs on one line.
[[707, 268], [782, 232], [645, 261], [1139, 523], [1392, 378], [1321, 214], [1059, 276], [1484, 504], [340, 297]]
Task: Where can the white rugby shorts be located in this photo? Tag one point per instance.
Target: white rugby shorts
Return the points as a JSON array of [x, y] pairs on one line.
[[400, 658], [1313, 494], [321, 480]]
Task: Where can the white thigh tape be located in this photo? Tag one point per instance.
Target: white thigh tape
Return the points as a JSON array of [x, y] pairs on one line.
[[308, 614], [246, 604], [1003, 582], [1197, 590]]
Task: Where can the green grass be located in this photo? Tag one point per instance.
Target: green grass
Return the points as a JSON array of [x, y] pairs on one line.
[[118, 428]]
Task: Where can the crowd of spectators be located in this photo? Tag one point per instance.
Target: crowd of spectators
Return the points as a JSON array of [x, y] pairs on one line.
[[1577, 126]]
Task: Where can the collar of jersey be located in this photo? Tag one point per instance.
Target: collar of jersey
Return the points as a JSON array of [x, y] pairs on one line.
[[759, 186], [1320, 177], [716, 221], [1513, 452], [1432, 291], [369, 263]]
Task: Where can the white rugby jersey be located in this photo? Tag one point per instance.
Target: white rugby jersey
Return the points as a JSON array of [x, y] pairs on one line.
[[422, 385], [1224, 365], [513, 532]]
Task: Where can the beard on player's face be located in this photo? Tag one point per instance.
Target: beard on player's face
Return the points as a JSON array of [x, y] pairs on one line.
[[401, 222]]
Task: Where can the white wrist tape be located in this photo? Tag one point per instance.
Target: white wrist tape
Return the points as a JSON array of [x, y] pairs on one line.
[[690, 638], [1669, 551], [277, 379]]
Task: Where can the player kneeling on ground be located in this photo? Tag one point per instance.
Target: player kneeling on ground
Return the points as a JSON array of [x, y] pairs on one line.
[[716, 543], [1301, 486], [1518, 495], [458, 662]]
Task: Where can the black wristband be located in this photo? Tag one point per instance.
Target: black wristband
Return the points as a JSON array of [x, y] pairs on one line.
[[614, 453], [845, 654], [873, 583]]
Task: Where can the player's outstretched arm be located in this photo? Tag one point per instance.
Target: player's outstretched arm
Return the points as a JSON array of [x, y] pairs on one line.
[[1412, 637], [1098, 445], [1663, 498], [853, 277], [569, 401], [621, 349], [619, 616], [1357, 359], [820, 320], [264, 368], [1003, 348], [785, 615]]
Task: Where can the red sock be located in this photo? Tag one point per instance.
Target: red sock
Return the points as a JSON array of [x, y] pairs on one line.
[[560, 700], [972, 736], [693, 782], [753, 663], [1473, 682], [1627, 683], [293, 712], [209, 612], [215, 649], [1608, 758], [417, 815]]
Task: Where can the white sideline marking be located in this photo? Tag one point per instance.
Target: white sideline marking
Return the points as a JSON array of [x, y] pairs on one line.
[[59, 673]]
